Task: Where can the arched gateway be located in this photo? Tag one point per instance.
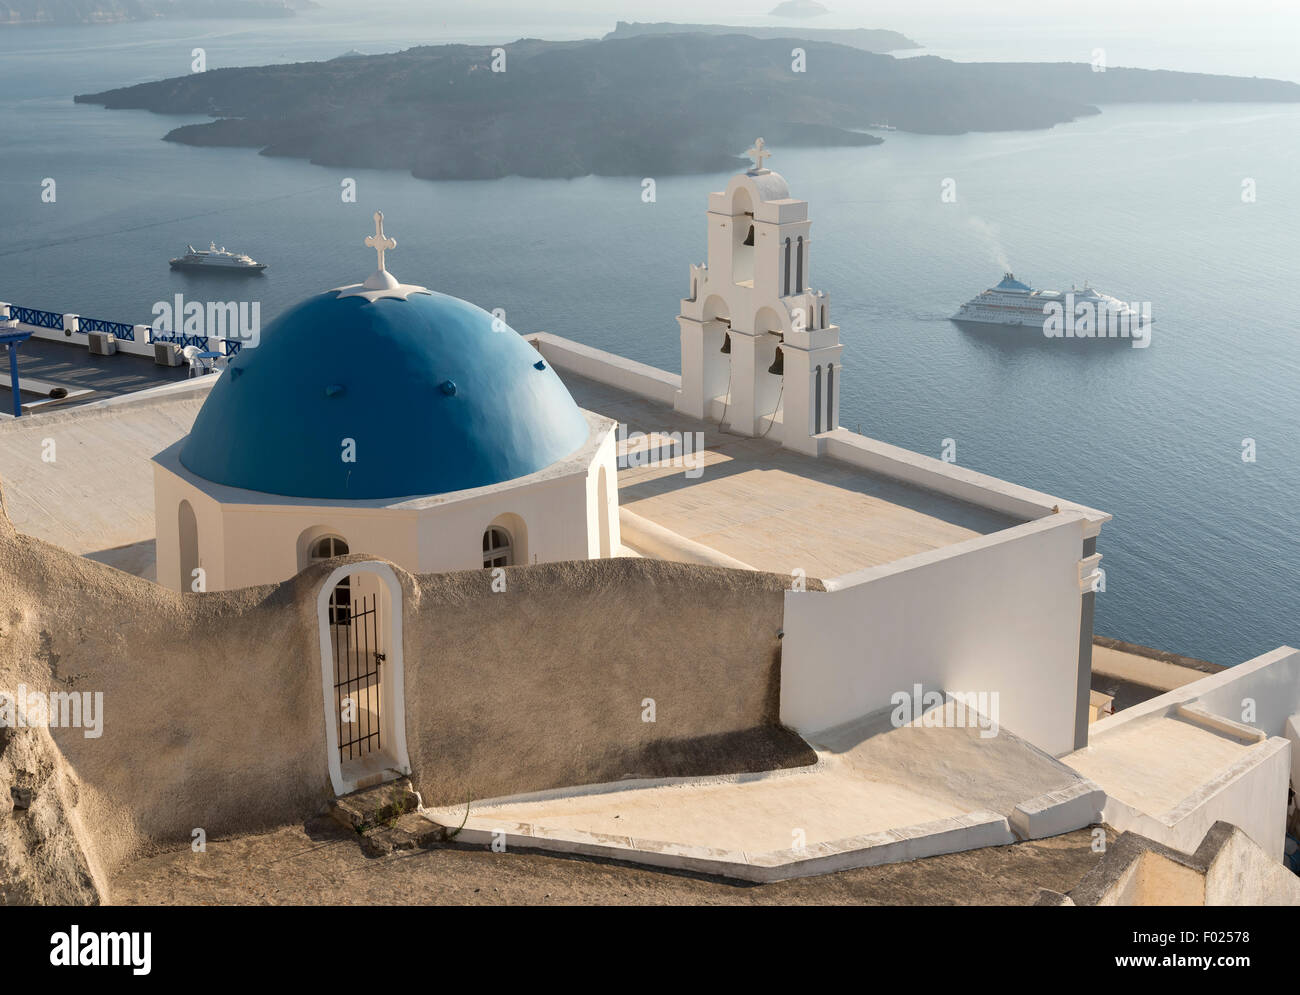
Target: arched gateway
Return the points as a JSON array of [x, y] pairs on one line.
[[362, 676]]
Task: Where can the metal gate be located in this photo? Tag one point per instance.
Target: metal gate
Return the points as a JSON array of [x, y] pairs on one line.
[[357, 688]]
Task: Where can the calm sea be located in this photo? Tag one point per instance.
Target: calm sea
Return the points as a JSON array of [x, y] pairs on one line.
[[1143, 201]]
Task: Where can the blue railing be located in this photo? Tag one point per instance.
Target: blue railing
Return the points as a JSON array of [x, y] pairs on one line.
[[207, 343], [31, 316], [118, 329], [182, 339]]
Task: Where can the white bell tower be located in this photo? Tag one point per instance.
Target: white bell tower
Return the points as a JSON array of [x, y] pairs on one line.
[[759, 354]]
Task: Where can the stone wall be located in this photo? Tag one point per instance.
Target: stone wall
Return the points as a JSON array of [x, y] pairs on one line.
[[213, 710], [543, 685]]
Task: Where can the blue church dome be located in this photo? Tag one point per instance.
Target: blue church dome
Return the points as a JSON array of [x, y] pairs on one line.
[[433, 397]]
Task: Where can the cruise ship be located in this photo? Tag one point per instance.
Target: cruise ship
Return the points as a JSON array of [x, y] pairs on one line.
[[1014, 303], [213, 259]]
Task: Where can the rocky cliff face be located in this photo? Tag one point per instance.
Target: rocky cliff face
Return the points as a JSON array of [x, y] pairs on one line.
[[42, 857], [42, 861]]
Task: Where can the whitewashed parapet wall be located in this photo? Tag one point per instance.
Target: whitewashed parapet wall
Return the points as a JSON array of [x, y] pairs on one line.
[[999, 614], [1251, 793]]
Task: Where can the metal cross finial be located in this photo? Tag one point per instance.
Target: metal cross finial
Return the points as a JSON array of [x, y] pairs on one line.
[[758, 153], [379, 241]]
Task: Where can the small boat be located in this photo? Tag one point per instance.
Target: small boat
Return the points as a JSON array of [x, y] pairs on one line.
[[213, 259]]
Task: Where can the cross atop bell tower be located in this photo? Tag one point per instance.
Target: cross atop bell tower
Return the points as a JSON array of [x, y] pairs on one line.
[[758, 153]]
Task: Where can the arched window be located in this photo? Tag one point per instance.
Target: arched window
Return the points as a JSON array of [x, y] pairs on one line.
[[324, 548], [189, 534], [830, 397], [817, 401], [498, 549], [786, 292], [798, 267]]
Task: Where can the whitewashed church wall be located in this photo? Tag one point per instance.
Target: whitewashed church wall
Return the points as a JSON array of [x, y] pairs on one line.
[[998, 614], [169, 492], [554, 516]]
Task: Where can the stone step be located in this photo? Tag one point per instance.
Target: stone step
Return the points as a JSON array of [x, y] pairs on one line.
[[410, 832], [375, 807]]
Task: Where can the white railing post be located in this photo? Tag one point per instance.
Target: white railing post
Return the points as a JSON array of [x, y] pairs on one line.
[[72, 323], [142, 333]]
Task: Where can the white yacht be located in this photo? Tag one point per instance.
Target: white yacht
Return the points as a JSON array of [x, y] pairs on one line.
[[214, 259], [1014, 303]]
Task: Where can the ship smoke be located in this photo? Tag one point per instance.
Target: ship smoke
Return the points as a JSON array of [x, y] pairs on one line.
[[992, 238]]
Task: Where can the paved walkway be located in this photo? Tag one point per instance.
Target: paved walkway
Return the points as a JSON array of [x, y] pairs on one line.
[[870, 778]]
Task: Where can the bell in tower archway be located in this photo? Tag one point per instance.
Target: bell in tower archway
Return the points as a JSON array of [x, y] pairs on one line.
[[778, 365], [726, 344], [749, 239]]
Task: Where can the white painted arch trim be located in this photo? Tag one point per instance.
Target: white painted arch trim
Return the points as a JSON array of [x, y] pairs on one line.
[[396, 671]]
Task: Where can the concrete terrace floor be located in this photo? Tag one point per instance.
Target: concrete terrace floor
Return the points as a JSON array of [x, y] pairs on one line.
[[321, 863], [870, 777], [777, 510], [72, 366], [95, 498], [1154, 763]]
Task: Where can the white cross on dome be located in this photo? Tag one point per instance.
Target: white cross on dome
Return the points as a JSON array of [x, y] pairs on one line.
[[381, 279]]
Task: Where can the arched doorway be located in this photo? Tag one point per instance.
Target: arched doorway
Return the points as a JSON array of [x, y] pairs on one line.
[[362, 675]]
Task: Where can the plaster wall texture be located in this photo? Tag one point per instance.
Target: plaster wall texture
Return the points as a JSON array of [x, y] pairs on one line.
[[213, 706], [926, 619], [1226, 867], [212, 712], [1154, 879], [546, 684], [1244, 874]]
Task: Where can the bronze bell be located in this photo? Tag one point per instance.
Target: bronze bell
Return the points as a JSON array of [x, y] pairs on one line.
[[749, 239], [778, 364], [726, 344]]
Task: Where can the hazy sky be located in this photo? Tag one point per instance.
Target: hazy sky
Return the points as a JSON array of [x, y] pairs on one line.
[[1239, 37]]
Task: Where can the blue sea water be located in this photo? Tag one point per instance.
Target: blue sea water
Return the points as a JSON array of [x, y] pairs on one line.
[[1144, 201]]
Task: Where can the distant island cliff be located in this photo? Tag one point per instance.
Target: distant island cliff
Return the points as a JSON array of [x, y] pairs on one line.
[[61, 12], [651, 105], [867, 39]]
